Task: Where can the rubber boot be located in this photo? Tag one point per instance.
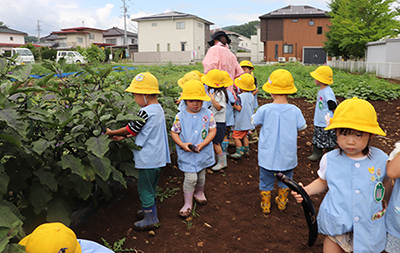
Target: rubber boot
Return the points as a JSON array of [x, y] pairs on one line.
[[139, 212], [187, 207], [224, 146], [282, 199], [150, 220], [253, 138], [265, 201], [246, 152], [238, 154], [231, 140], [220, 162], [317, 153], [199, 195]]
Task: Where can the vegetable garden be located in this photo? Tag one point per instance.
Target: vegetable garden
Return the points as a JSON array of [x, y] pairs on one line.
[[54, 156]]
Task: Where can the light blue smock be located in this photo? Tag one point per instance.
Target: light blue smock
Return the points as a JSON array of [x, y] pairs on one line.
[[230, 119], [277, 145], [321, 107], [349, 204], [93, 247], [153, 139], [393, 211], [194, 129], [243, 117]]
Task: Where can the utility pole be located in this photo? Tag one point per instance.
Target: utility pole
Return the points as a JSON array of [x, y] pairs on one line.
[[38, 30], [126, 36]]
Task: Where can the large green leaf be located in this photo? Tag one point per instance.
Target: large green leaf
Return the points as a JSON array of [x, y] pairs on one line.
[[27, 90], [104, 187], [4, 179], [118, 176], [82, 186], [129, 169], [58, 211], [39, 196], [13, 120], [41, 145], [10, 139], [74, 163], [98, 145], [46, 177], [102, 165]]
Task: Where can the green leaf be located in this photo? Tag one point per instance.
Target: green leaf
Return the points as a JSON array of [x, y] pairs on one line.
[[13, 120], [26, 90], [102, 165], [58, 211], [10, 139], [41, 145], [118, 176], [74, 163], [39, 196], [104, 187], [98, 145], [4, 179], [46, 177], [82, 186], [129, 169]]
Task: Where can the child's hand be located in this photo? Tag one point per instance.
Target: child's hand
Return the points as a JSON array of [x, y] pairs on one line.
[[109, 132], [117, 138], [297, 196], [211, 95], [194, 148], [186, 147]]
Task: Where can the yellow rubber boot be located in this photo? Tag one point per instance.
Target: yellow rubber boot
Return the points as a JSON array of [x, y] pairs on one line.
[[282, 199], [265, 201]]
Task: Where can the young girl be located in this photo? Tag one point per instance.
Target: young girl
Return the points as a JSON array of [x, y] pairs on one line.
[[193, 131], [393, 210], [215, 80], [351, 214]]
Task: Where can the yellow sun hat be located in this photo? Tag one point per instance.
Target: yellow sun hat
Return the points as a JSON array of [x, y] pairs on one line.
[[51, 237], [214, 78], [187, 77], [245, 82], [228, 80], [198, 72], [357, 114], [280, 82], [246, 64], [194, 90], [324, 74], [144, 83]]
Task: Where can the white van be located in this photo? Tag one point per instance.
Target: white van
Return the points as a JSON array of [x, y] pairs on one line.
[[25, 56], [70, 57]]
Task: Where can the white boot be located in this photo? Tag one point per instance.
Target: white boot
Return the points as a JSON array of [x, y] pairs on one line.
[[221, 162]]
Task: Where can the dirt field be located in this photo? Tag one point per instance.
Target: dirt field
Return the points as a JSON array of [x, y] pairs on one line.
[[231, 221]]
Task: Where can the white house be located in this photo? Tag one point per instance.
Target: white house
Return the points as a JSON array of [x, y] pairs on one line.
[[244, 43], [10, 38], [172, 36], [383, 57], [78, 36], [116, 36], [257, 47]]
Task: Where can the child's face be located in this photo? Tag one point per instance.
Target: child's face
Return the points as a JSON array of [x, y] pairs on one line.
[[352, 142], [247, 70], [140, 99], [194, 106]]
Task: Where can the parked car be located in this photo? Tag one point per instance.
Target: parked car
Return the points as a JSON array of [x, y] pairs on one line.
[[70, 57], [25, 56]]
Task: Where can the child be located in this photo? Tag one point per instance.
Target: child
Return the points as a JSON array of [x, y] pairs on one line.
[[326, 104], [277, 148], [351, 213], [243, 111], [194, 126], [247, 67], [393, 210], [229, 118], [181, 82], [56, 237], [215, 80], [151, 136]]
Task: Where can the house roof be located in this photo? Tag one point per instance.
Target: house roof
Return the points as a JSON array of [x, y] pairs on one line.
[[295, 11], [227, 32], [115, 31], [4, 29], [17, 45], [171, 15], [85, 30], [50, 37], [69, 31]]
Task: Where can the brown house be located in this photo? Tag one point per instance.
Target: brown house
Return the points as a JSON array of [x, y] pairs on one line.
[[294, 33]]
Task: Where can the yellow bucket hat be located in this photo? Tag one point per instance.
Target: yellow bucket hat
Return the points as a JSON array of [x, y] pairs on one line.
[[228, 80], [246, 64], [324, 74], [280, 82], [198, 72], [214, 79], [144, 83], [357, 114], [194, 90], [245, 82], [187, 77], [51, 237]]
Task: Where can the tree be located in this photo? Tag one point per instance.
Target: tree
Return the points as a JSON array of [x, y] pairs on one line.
[[2, 24], [30, 39], [357, 22], [246, 30]]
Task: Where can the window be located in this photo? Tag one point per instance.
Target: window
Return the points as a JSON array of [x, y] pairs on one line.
[[62, 42], [276, 51], [158, 47], [168, 47], [91, 36], [133, 41], [183, 46], [295, 20], [153, 24], [319, 30], [180, 25], [111, 41], [79, 40], [200, 25], [288, 49], [311, 22], [11, 38]]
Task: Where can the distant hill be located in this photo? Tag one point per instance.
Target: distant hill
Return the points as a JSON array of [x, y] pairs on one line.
[[246, 30]]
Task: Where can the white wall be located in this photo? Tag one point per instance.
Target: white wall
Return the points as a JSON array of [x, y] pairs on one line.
[[393, 51], [16, 38], [376, 53], [257, 48]]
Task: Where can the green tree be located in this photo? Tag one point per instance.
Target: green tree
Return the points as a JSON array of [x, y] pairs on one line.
[[355, 23], [246, 30], [30, 39], [3, 24]]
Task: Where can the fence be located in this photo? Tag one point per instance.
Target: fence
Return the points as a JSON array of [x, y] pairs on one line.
[[383, 69]]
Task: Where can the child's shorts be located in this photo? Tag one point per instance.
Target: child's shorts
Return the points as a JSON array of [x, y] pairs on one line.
[[323, 138], [219, 137], [392, 244], [239, 134], [345, 241], [268, 178]]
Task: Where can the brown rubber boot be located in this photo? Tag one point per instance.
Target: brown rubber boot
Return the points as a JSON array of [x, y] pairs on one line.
[[282, 199], [265, 201]]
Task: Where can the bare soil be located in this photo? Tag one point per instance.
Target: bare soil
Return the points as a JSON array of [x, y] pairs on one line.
[[232, 220]]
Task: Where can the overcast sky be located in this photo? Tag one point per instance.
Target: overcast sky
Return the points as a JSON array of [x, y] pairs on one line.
[[53, 15]]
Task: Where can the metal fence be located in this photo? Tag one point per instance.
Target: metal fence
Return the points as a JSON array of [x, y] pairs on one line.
[[383, 69]]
